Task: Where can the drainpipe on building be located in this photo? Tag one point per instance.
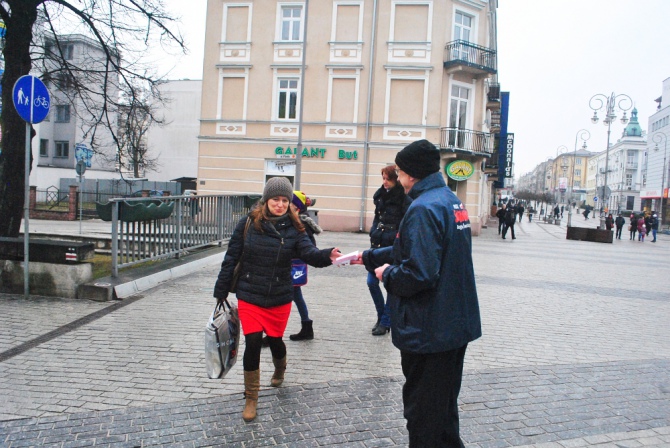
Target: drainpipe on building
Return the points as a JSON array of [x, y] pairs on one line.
[[366, 148], [298, 151]]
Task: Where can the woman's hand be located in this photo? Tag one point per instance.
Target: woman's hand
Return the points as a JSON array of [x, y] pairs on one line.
[[358, 260], [334, 254]]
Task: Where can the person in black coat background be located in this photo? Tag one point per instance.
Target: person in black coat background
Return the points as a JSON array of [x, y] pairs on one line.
[[391, 203], [500, 214]]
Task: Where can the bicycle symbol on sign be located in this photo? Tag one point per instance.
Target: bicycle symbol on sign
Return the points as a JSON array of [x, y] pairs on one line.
[[41, 101]]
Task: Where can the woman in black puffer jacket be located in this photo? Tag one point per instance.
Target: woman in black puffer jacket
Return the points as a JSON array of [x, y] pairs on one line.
[[391, 203], [265, 243]]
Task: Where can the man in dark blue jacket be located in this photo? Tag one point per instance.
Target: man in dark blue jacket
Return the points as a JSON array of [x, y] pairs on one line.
[[430, 280]]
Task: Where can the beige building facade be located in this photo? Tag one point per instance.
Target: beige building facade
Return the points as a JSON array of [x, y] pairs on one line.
[[378, 74]]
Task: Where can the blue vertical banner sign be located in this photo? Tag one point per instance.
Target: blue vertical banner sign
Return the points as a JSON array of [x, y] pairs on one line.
[[502, 140], [509, 154]]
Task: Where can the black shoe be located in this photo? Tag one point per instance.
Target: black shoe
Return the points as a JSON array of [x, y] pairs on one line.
[[380, 330], [513, 237], [306, 332], [503, 237], [376, 325]]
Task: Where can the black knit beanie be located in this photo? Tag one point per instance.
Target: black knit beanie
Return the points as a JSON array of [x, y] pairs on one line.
[[277, 186], [419, 159]]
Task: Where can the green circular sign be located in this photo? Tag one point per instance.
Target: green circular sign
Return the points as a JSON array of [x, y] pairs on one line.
[[459, 170]]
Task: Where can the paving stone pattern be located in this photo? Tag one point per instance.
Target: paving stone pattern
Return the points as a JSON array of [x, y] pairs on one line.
[[575, 353]]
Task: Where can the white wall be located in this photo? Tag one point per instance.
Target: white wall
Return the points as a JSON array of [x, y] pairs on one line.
[[176, 143]]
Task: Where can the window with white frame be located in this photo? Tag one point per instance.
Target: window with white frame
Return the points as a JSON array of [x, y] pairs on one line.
[[630, 156], [287, 99], [290, 23], [629, 180], [578, 172], [63, 113], [68, 52], [463, 24], [44, 147], [62, 149], [579, 161]]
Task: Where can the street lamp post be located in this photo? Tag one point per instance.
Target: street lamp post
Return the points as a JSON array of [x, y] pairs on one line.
[[609, 104], [660, 136], [584, 135], [560, 150]]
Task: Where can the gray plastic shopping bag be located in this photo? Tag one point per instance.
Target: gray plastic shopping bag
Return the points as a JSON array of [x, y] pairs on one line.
[[222, 340]]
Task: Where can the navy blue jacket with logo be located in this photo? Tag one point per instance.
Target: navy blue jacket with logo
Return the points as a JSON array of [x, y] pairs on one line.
[[431, 280]]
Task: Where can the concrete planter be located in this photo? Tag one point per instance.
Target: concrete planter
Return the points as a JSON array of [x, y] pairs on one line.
[[595, 235], [46, 279]]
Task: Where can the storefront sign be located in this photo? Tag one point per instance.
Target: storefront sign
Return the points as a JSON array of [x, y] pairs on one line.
[[562, 184], [650, 194], [291, 152], [459, 170], [349, 155], [509, 152]]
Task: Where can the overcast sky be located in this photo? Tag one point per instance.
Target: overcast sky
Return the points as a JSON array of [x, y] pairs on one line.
[[553, 56]]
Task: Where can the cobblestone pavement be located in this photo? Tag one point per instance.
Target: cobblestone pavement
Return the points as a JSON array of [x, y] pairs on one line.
[[575, 352]]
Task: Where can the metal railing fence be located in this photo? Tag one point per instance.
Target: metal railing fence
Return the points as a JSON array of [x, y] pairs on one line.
[[466, 140], [194, 222]]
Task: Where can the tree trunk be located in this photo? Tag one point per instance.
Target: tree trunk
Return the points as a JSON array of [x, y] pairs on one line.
[[12, 159]]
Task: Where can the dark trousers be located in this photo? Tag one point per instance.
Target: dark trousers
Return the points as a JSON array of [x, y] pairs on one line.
[[511, 227], [501, 225], [618, 232], [430, 398]]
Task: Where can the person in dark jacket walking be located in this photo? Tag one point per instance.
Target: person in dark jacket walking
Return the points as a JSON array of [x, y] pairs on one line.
[[264, 243], [429, 276], [391, 203], [299, 204], [654, 225], [633, 226], [609, 222], [619, 222], [500, 214], [510, 218]]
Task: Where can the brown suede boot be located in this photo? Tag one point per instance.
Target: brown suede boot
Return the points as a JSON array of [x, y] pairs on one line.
[[252, 383], [280, 368]]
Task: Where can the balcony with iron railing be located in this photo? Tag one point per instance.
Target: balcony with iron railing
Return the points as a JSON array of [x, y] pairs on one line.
[[461, 55], [631, 165], [466, 140]]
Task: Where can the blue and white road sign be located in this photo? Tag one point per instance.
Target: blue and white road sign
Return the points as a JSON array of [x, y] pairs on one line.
[[31, 99], [595, 199]]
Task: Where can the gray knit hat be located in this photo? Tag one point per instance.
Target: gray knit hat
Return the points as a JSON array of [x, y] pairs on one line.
[[277, 186]]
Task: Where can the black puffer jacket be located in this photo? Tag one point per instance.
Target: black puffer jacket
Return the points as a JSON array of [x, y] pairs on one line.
[[265, 272], [390, 207]]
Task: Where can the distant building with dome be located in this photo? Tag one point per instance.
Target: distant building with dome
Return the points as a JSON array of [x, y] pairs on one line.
[[626, 169]]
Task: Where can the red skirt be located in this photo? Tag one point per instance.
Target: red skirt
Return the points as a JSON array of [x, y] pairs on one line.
[[270, 320]]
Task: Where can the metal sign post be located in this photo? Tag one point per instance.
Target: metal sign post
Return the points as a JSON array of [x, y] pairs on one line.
[[80, 168], [31, 101]]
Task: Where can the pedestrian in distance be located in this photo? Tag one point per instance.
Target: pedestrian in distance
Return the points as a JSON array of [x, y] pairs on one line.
[[557, 212], [510, 218], [562, 208], [619, 222], [586, 213], [391, 203], [519, 211], [609, 222], [647, 222], [531, 210], [633, 226], [500, 214], [299, 205], [641, 229], [264, 243], [654, 226], [430, 280]]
